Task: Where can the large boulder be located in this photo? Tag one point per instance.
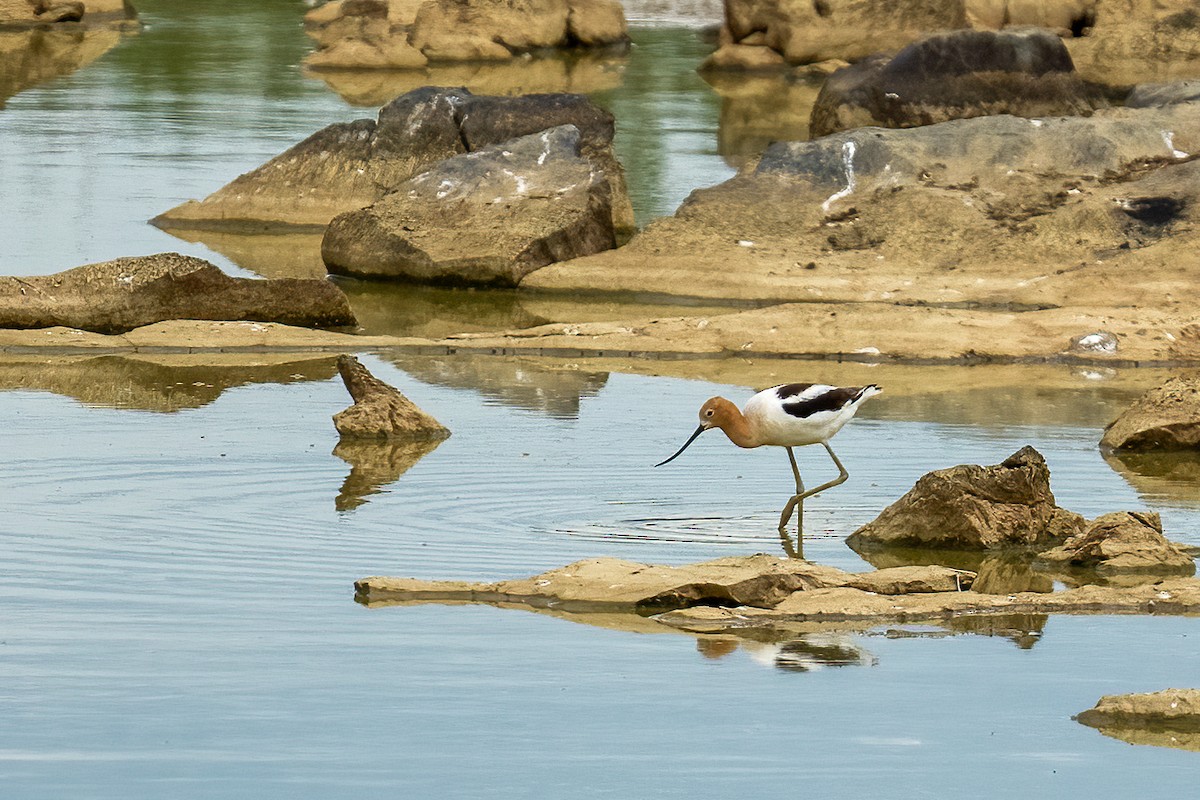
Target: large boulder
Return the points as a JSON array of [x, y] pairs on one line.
[[1165, 418], [126, 293], [1124, 541], [970, 507], [489, 217], [348, 166], [363, 34], [381, 411], [1026, 72], [1136, 41]]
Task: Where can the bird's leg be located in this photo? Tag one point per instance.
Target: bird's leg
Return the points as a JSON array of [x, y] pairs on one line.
[[841, 478], [796, 504]]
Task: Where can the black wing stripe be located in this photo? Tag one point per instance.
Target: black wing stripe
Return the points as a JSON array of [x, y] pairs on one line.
[[791, 390], [833, 400]]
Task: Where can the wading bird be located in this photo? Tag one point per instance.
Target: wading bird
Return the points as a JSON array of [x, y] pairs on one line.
[[787, 416]]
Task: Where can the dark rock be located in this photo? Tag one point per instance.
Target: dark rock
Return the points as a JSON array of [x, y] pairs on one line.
[[126, 293], [1124, 541], [974, 507], [1024, 72], [485, 218], [348, 166], [380, 411], [1165, 418]]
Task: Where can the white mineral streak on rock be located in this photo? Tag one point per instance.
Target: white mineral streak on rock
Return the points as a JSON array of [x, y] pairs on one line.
[[848, 149], [1169, 141]]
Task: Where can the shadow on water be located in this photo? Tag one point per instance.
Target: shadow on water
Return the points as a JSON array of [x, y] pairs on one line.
[[163, 383], [374, 465]]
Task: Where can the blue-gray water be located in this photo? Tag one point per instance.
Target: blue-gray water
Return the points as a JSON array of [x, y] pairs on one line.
[[176, 613]]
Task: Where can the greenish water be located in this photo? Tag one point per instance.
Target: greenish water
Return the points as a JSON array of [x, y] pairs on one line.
[[179, 539]]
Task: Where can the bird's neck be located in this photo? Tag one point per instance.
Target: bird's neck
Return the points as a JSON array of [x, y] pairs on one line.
[[739, 430]]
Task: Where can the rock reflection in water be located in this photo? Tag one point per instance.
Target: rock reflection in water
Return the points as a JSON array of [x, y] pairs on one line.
[[553, 388], [1023, 630], [165, 383], [759, 109], [1155, 736], [434, 313], [271, 255], [375, 464], [30, 57], [1173, 476], [580, 73]]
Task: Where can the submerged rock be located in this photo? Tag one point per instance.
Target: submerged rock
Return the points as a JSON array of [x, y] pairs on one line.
[[973, 507], [1165, 418], [486, 218], [1026, 72], [381, 411], [348, 166], [126, 293], [1124, 541]]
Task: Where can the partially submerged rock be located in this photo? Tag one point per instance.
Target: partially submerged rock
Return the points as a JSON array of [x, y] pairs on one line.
[[380, 411], [126, 293], [973, 507], [1165, 418], [1170, 709], [487, 218], [1123, 541], [348, 166], [1026, 72], [912, 580]]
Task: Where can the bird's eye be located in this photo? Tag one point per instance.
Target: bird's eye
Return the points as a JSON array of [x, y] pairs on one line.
[[708, 413]]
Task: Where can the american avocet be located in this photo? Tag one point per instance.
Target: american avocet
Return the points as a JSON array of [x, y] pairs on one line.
[[787, 416]]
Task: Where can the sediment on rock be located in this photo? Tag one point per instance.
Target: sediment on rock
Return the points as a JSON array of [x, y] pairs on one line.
[[1122, 542], [126, 293]]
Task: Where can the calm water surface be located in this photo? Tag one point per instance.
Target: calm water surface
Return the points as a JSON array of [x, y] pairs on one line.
[[178, 541], [178, 615]]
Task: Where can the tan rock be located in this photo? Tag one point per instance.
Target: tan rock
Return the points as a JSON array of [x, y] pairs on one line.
[[1123, 541], [1170, 709], [913, 579], [394, 53], [380, 411], [127, 293], [1165, 418], [594, 23], [972, 507], [481, 29], [744, 57]]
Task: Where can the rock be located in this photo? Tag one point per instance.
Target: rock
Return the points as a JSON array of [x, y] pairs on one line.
[[1150, 95], [1026, 72], [1165, 418], [610, 584], [487, 218], [363, 34], [62, 12], [348, 166], [1003, 213], [1170, 709], [1123, 541], [380, 411], [742, 57], [596, 23], [913, 579], [974, 507], [1137, 41], [117, 296]]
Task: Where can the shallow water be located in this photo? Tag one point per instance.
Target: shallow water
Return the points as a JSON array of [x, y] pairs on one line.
[[178, 539], [179, 617]]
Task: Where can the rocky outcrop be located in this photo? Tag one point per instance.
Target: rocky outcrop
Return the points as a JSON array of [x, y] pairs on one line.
[[971, 507], [26, 13], [1026, 72], [487, 218], [1170, 709], [997, 213], [126, 293], [348, 166], [1165, 418], [381, 411], [400, 34], [1123, 541], [1137, 41]]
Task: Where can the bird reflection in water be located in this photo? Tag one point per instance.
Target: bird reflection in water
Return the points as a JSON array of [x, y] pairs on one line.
[[806, 653]]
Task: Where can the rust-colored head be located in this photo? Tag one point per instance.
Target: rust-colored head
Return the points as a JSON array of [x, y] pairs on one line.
[[717, 412]]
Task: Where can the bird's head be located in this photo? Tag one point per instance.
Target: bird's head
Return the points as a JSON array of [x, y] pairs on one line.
[[715, 413]]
